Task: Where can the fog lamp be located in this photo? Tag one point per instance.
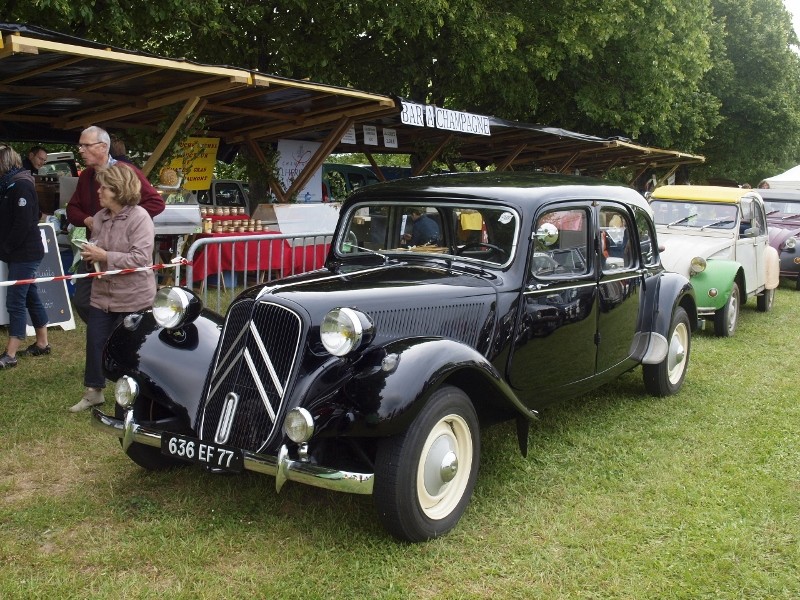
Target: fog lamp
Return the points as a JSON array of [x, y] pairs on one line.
[[298, 425], [126, 391], [697, 265]]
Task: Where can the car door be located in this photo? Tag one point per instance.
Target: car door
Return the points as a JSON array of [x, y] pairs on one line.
[[619, 297], [554, 347], [752, 242]]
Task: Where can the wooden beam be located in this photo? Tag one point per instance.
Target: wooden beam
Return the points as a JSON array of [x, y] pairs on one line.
[[319, 156], [423, 166], [166, 140], [509, 160], [274, 184]]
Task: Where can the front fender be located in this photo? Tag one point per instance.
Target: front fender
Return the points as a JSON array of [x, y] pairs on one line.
[[772, 268], [719, 275], [389, 395], [170, 366]]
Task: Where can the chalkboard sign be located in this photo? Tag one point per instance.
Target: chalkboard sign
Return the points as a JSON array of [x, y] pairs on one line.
[[53, 293]]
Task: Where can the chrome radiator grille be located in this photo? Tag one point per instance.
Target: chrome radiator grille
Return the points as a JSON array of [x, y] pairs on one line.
[[259, 347]]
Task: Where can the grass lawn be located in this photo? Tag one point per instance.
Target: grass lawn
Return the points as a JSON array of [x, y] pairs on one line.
[[621, 496]]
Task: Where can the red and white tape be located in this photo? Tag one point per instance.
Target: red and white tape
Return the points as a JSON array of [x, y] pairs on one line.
[[175, 263]]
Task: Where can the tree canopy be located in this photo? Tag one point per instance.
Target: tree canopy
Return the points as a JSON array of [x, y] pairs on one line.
[[717, 77]]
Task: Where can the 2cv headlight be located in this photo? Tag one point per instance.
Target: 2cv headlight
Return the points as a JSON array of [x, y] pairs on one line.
[[790, 243], [697, 265], [344, 330]]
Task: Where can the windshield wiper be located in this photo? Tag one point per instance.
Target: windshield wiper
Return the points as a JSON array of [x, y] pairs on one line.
[[772, 212], [790, 217], [679, 221], [370, 251], [715, 223]]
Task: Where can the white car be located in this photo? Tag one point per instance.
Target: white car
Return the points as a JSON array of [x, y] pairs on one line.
[[718, 237]]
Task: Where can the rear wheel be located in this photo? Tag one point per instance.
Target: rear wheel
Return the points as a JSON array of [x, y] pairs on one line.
[[666, 377], [765, 301], [727, 318], [425, 476]]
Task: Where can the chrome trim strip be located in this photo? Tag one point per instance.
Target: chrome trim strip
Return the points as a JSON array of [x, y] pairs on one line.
[[293, 470], [226, 418], [270, 367], [261, 391]]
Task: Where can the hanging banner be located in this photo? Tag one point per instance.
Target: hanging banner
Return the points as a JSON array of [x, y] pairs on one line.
[[423, 115], [293, 156], [195, 168]]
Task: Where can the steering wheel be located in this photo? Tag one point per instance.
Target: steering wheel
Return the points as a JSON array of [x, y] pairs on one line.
[[473, 245]]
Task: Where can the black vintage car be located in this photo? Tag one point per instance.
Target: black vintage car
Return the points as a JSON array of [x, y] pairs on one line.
[[447, 303]]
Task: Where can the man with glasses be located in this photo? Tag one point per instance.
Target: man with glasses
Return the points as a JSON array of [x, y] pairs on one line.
[[94, 146], [37, 156]]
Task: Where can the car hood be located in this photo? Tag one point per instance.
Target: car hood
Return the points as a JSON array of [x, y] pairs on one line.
[[780, 233], [680, 248], [402, 300]]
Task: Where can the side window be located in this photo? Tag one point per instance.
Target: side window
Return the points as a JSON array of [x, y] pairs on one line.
[[228, 195], [615, 240], [561, 244], [647, 238], [204, 197], [759, 221]]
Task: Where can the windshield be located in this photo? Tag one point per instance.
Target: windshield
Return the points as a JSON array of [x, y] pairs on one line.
[[780, 207], [481, 233], [714, 215]]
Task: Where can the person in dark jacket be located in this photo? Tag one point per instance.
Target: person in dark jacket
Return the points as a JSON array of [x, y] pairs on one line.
[[37, 156], [22, 249]]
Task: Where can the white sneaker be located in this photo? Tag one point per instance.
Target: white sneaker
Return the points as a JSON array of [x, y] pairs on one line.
[[91, 397]]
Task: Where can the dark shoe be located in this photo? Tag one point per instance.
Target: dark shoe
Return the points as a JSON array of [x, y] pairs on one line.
[[6, 361], [34, 350]]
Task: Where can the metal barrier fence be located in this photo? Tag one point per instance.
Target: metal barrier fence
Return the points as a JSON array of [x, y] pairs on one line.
[[232, 261]]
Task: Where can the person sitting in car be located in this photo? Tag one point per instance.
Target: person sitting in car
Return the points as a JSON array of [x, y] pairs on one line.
[[424, 230]]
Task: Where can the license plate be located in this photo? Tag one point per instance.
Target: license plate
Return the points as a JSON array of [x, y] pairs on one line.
[[202, 453]]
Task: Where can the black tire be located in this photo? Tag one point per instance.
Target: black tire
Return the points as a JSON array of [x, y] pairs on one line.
[[666, 377], [424, 477], [765, 301], [727, 318], [148, 457]]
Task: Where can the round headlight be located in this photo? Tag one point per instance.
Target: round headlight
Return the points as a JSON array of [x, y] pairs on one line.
[[698, 265], [790, 243], [125, 391], [171, 307], [343, 330], [298, 425]]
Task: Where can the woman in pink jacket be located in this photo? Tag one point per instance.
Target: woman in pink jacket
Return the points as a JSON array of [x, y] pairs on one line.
[[122, 238]]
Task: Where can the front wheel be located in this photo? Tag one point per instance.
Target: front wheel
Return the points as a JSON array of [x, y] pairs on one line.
[[666, 377], [727, 318], [425, 476], [765, 301]]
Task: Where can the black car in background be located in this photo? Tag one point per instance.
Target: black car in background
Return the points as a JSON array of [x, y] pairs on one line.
[[783, 219], [376, 374]]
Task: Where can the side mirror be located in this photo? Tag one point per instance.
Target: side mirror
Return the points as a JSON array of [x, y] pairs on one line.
[[547, 234], [749, 232]]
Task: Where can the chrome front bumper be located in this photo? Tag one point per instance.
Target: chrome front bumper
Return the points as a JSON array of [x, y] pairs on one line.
[[281, 467]]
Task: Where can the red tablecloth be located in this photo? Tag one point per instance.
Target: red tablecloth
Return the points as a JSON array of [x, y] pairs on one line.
[[259, 255]]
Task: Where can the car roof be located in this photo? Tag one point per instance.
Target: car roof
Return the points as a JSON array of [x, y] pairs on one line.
[[519, 188], [779, 194], [705, 193]]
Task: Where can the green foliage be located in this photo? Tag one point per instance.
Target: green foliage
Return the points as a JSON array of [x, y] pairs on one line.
[[718, 77]]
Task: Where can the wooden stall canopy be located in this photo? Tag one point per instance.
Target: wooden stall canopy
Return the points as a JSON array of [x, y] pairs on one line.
[[53, 85]]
